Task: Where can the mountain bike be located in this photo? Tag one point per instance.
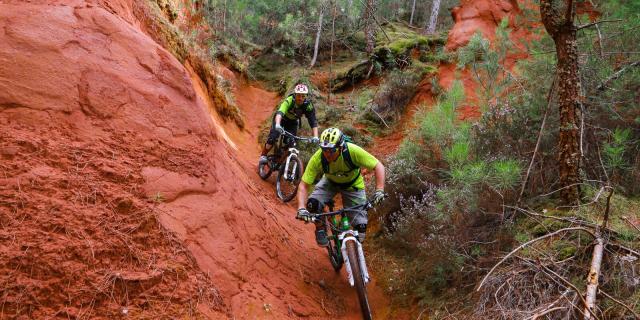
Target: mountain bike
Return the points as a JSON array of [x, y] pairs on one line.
[[345, 249], [286, 160]]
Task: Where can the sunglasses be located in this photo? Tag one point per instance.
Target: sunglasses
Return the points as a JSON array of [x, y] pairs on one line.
[[330, 150]]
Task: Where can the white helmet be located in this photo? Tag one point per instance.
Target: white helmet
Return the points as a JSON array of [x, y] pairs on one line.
[[301, 88]]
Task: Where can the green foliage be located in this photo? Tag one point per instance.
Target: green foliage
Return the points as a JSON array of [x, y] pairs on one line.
[[485, 60], [505, 174], [458, 154], [614, 151], [439, 126], [461, 184]]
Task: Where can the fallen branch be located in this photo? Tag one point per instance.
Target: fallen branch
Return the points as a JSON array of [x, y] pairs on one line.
[[592, 278], [522, 246], [540, 314], [596, 264], [549, 308], [629, 250], [567, 283], [569, 220], [619, 302]]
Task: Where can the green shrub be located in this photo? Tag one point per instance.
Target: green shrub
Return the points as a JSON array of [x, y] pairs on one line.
[[505, 174], [614, 151]]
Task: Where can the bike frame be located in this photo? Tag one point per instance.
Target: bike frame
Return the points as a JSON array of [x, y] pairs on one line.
[[293, 152], [341, 227]]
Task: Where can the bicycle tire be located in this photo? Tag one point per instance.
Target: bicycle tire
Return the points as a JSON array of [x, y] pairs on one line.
[[332, 249], [264, 174], [284, 195], [354, 262]]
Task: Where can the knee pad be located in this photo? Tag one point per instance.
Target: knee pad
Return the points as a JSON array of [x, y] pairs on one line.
[[313, 205]]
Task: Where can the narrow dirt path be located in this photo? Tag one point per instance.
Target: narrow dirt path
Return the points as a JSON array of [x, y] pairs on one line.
[[300, 274]]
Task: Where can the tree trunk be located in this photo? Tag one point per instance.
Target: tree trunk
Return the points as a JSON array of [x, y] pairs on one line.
[[369, 28], [315, 47], [557, 16], [413, 10], [224, 18], [433, 19]]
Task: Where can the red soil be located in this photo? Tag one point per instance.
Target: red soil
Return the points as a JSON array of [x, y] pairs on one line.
[[470, 17], [484, 16], [108, 143], [88, 104]]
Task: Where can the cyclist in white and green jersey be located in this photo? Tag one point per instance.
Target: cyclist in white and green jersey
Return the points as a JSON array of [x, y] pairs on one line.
[[340, 163], [287, 118]]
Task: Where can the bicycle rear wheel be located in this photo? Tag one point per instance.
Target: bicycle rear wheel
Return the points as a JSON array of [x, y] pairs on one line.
[[287, 188], [358, 277]]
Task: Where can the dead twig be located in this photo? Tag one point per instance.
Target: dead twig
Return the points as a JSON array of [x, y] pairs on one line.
[[522, 246], [379, 116], [616, 75], [629, 250], [596, 23], [625, 218], [619, 302], [547, 311]]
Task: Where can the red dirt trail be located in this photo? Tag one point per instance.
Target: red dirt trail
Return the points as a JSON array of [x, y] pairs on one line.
[[123, 195], [257, 106]]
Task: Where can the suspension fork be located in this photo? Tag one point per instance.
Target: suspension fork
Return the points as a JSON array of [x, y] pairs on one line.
[[293, 153], [351, 235]]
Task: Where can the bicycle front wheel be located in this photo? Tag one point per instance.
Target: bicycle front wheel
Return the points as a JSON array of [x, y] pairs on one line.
[[288, 179], [332, 249], [358, 277], [265, 170]]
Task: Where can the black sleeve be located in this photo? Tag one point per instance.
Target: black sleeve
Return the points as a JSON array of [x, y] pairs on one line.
[[311, 117]]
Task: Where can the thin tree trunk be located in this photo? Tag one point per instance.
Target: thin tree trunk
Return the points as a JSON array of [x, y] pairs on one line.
[[333, 38], [557, 16], [433, 19], [369, 29], [413, 10], [315, 47], [224, 18]]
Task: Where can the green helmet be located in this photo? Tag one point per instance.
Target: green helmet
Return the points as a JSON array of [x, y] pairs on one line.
[[331, 138]]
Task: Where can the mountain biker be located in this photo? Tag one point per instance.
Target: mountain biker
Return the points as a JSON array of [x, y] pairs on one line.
[[340, 162], [288, 115]]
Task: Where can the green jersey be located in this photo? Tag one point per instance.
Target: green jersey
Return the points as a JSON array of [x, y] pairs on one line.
[[339, 171], [292, 112]]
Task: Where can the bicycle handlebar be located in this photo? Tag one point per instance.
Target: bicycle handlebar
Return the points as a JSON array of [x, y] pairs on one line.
[[314, 216], [288, 134]]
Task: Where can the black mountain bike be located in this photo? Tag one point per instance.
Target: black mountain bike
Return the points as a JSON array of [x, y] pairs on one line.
[[345, 249], [286, 160]]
